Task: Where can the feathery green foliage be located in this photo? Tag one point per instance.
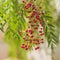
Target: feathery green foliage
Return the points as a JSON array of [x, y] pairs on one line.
[[12, 14]]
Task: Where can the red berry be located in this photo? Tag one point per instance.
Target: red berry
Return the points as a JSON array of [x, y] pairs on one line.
[[27, 30], [29, 11], [31, 36], [38, 25], [36, 28], [41, 22], [36, 42], [41, 28], [30, 21], [42, 39], [27, 16], [34, 21], [20, 33], [37, 17], [28, 26], [42, 42], [28, 5], [27, 34], [33, 13], [37, 48], [33, 7], [43, 12], [23, 46], [32, 25], [24, 38], [23, 1], [30, 31], [40, 31], [41, 34], [30, 41], [27, 47]]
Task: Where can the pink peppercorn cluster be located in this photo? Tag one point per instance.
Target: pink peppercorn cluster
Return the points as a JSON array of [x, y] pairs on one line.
[[34, 33]]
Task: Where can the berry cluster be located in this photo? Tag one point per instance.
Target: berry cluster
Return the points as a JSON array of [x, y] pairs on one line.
[[34, 33]]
